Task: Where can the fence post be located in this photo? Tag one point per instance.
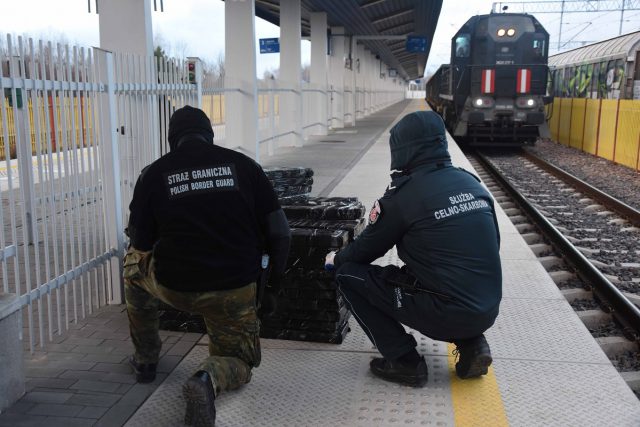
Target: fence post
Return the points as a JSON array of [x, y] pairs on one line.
[[113, 214], [24, 150]]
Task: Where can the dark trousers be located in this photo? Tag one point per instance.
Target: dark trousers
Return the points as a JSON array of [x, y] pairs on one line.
[[382, 308]]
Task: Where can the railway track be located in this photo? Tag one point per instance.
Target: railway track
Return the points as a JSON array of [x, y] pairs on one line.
[[586, 240]]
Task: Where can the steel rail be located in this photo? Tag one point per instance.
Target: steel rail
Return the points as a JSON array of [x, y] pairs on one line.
[[620, 307], [618, 206]]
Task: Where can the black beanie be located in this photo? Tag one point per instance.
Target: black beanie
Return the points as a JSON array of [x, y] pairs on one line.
[[188, 120]]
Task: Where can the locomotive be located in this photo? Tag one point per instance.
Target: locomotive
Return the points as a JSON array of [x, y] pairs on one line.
[[493, 92]]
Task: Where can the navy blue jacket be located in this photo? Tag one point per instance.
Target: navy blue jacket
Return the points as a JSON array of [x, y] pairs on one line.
[[443, 223]]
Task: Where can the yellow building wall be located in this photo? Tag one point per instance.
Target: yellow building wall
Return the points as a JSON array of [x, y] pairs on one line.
[[607, 128], [628, 133], [591, 121], [213, 106], [578, 107], [607, 135], [555, 117], [564, 130], [72, 123]]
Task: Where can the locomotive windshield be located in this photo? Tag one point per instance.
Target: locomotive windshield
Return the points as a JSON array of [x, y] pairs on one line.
[[463, 42], [539, 48]]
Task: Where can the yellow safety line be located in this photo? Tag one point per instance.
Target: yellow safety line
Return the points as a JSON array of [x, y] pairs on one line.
[[476, 402]]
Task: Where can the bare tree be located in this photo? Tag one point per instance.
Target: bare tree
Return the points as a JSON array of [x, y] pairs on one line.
[[163, 44], [180, 48], [220, 68], [159, 52], [271, 74], [306, 73], [208, 68], [214, 71]]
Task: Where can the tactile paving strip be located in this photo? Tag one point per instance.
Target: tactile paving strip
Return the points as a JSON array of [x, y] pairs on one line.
[[530, 399], [379, 403], [527, 279], [515, 249], [542, 329], [309, 388]]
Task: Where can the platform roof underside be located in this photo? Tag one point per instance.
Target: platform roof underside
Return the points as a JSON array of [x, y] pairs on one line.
[[373, 18]]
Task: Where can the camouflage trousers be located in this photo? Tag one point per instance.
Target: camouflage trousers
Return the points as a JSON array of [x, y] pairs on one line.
[[230, 317]]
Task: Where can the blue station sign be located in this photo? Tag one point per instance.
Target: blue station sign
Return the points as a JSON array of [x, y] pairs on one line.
[[270, 45], [416, 44]]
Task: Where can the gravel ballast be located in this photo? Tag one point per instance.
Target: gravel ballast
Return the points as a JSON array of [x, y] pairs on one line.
[[617, 180]]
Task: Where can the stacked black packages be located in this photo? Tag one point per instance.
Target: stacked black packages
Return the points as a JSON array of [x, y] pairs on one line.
[[307, 306], [290, 182]]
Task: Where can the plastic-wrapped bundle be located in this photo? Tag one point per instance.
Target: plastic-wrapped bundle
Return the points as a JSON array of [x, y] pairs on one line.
[[307, 279], [305, 325], [291, 190], [317, 237], [292, 200], [309, 293], [338, 200], [290, 181], [307, 305], [282, 305], [318, 211], [306, 258], [326, 201], [293, 334], [318, 315], [301, 180], [279, 172], [353, 226]]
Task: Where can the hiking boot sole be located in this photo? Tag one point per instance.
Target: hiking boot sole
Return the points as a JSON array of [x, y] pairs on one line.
[[411, 381], [479, 366], [201, 411]]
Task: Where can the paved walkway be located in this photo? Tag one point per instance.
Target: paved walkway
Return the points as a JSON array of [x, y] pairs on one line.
[[83, 379], [546, 364]]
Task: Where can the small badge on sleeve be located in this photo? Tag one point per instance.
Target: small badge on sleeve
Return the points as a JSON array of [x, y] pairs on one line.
[[375, 212]]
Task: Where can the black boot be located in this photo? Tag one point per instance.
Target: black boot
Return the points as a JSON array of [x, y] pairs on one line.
[[145, 372], [200, 397], [410, 369], [475, 357]]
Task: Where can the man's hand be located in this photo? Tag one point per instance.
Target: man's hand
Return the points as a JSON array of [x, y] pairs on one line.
[[328, 261]]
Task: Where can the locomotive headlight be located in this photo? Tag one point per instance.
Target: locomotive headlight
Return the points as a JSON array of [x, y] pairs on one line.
[[483, 102], [511, 32], [501, 32], [526, 103]]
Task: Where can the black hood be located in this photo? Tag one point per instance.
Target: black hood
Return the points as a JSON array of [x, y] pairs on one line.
[[188, 120], [418, 139]]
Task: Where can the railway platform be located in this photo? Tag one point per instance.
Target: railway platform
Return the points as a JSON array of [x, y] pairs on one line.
[[547, 370]]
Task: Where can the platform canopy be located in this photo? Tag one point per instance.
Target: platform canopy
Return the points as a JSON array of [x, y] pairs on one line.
[[369, 18]]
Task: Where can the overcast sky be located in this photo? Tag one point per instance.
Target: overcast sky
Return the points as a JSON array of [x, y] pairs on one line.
[[196, 27]]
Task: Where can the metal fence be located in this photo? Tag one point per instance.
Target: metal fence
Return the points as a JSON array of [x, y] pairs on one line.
[[312, 97], [77, 126]]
